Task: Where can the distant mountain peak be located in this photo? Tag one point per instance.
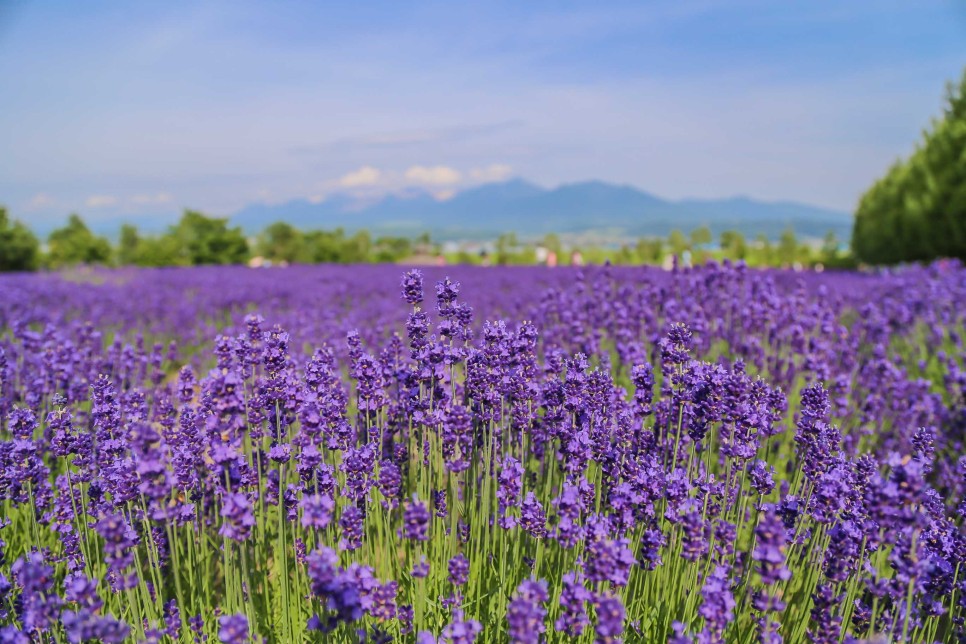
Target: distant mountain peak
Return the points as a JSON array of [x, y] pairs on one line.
[[517, 205]]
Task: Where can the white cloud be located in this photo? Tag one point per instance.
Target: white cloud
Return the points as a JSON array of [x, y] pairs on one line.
[[444, 195], [100, 201], [439, 175], [40, 200], [364, 176], [145, 200], [491, 173]]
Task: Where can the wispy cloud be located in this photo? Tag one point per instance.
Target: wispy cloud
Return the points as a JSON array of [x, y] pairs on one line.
[[159, 198], [491, 173], [100, 201], [40, 201], [439, 175], [363, 177], [409, 138]]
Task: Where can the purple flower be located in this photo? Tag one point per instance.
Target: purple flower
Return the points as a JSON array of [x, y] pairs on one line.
[[317, 511], [352, 523], [827, 624], [412, 286], [717, 605], [460, 631], [383, 601], [421, 569], [511, 485], [341, 591], [573, 600], [642, 376], [390, 479], [526, 614], [610, 619], [406, 616], [459, 570], [236, 510], [532, 517], [233, 629], [609, 560], [280, 453], [415, 521], [770, 548], [83, 626], [761, 475]]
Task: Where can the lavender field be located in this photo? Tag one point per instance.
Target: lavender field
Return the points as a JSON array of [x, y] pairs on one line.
[[355, 454]]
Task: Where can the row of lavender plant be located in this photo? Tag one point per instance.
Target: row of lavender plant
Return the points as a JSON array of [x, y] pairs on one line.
[[708, 455]]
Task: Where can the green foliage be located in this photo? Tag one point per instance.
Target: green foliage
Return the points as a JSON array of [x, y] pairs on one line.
[[678, 242], [76, 244], [164, 250], [194, 240], [19, 248], [788, 246], [281, 242], [128, 245], [651, 250], [391, 249], [209, 240], [917, 211], [198, 239], [733, 243], [701, 237], [505, 246]]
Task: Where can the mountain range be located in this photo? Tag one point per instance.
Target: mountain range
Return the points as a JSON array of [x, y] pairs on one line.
[[518, 206]]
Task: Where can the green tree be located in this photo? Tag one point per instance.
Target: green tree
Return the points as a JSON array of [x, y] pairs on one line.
[[701, 237], [830, 246], [391, 249], [678, 242], [356, 249], [324, 246], [208, 240], [19, 248], [282, 242], [788, 247], [551, 241], [164, 250], [765, 251], [733, 244], [128, 245], [76, 244], [917, 210], [505, 245]]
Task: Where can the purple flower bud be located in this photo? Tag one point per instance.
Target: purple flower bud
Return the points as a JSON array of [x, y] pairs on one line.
[[526, 614], [317, 511], [412, 286], [233, 629], [459, 570], [415, 521]]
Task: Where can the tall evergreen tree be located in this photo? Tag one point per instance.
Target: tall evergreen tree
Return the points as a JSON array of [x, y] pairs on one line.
[[19, 248], [917, 211]]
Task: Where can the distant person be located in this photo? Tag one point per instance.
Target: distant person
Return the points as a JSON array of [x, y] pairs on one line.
[[441, 260], [576, 259], [551, 259]]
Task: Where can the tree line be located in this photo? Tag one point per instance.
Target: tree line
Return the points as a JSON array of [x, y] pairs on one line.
[[917, 211], [195, 240], [699, 245]]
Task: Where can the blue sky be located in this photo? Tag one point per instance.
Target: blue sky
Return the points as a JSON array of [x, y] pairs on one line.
[[141, 108]]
